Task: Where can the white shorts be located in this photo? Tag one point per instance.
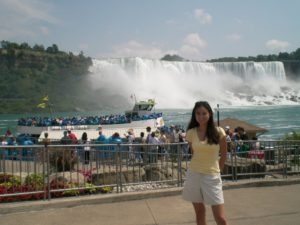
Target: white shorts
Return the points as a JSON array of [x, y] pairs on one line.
[[203, 188]]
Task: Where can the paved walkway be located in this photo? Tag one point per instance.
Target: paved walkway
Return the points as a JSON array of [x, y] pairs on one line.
[[274, 205]]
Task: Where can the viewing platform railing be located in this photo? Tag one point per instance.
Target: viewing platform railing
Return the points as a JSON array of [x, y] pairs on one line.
[[39, 172]]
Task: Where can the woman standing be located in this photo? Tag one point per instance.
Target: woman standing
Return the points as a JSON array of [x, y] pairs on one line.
[[84, 141], [203, 184]]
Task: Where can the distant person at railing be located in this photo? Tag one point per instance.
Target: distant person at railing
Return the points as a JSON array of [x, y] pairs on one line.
[[240, 137], [174, 138], [3, 141], [115, 139], [241, 134], [130, 139], [12, 141], [148, 129], [142, 150], [184, 147], [46, 140], [227, 132], [255, 145], [172, 134], [203, 184], [236, 135], [163, 148], [153, 152], [73, 137], [65, 140], [163, 138], [101, 138], [87, 148], [8, 133]]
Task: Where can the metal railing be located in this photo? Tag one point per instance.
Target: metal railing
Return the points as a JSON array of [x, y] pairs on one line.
[[39, 172]]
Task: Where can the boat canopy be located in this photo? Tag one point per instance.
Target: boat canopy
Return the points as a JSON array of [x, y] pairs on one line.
[[141, 108]]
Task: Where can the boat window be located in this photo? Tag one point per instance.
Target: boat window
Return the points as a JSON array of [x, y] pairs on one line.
[[145, 107], [150, 107]]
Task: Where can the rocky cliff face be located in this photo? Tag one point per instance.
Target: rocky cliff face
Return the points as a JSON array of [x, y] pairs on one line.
[[292, 69]]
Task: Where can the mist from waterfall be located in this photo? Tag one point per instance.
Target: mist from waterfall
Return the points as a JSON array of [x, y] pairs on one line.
[[180, 84]]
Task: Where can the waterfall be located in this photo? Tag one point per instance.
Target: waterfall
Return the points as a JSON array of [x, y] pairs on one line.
[[180, 84]]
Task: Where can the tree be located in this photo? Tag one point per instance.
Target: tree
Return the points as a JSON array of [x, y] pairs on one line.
[[272, 58], [297, 54], [55, 48], [292, 136], [9, 45], [261, 58], [52, 49], [172, 58], [25, 45], [38, 48], [283, 56], [4, 44], [49, 50]]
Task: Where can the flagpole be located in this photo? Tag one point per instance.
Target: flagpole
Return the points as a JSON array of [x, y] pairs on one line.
[[218, 115], [50, 108]]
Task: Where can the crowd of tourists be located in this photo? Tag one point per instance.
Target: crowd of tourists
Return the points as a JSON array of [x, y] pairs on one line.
[[159, 141], [239, 133], [151, 143], [84, 120]]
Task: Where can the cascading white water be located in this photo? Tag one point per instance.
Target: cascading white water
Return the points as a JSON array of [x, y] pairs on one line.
[[180, 84]]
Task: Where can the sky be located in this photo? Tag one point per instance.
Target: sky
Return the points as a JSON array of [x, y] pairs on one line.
[[193, 29]]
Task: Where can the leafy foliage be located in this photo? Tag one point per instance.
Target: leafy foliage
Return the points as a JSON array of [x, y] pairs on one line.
[[35, 180], [29, 73], [173, 58], [282, 56], [292, 136]]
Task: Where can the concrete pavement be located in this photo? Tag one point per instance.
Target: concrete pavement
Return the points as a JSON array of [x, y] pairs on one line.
[[272, 205]]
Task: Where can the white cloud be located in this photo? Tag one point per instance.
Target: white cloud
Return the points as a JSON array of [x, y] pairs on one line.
[[134, 48], [189, 52], [233, 37], [24, 18], [277, 45], [202, 16], [29, 9], [194, 39], [192, 44]]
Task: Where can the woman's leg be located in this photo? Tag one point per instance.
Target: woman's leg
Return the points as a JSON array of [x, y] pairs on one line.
[[200, 213], [86, 157], [219, 214]]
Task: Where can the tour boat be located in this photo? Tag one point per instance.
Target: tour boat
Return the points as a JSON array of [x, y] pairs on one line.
[[138, 119]]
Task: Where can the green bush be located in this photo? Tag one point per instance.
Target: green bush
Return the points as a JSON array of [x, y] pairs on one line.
[[15, 180], [34, 180], [73, 192], [90, 188], [106, 189], [294, 136]]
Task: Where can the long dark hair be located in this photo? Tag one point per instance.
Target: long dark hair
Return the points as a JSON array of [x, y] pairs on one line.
[[212, 133], [84, 137]]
